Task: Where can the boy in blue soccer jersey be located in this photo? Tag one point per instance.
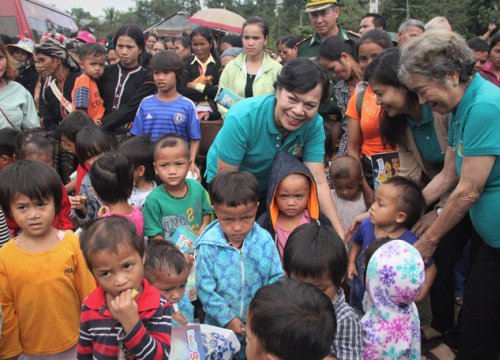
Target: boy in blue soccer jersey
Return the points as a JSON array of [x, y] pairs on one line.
[[168, 112]]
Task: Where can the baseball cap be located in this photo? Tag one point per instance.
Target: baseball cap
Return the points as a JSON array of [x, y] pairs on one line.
[[318, 5], [25, 44], [85, 37]]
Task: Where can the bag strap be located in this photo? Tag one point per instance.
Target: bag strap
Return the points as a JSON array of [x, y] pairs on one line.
[[7, 118], [59, 96], [359, 101]]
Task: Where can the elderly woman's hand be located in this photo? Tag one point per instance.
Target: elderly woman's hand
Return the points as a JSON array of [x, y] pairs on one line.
[[426, 247], [424, 223]]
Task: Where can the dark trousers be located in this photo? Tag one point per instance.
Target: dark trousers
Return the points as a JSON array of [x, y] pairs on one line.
[[445, 257], [480, 326]]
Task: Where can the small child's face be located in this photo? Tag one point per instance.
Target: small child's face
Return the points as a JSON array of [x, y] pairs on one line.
[[323, 283], [172, 165], [170, 283], [384, 210], [254, 349], [67, 144], [165, 81], [34, 217], [236, 222], [118, 271], [347, 189], [93, 66], [292, 195]]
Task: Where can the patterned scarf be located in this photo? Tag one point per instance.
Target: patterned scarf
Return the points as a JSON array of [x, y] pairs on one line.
[[52, 47], [391, 325]]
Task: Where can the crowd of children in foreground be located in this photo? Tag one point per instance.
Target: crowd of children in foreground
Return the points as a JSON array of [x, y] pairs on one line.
[[278, 282], [131, 278]]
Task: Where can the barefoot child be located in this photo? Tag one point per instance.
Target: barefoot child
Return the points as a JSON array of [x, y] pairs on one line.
[[40, 302], [124, 317]]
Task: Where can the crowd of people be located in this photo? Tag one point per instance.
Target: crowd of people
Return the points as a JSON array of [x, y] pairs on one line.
[[291, 230]]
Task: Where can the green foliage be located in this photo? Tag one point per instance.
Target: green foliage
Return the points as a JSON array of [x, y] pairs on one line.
[[468, 17]]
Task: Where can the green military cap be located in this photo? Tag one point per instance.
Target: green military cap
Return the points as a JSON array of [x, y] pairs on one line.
[[318, 5]]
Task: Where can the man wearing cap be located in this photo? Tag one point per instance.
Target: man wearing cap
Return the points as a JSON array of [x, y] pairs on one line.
[[323, 15], [22, 52]]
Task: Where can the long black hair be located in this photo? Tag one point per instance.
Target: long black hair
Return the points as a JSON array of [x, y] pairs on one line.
[[384, 70]]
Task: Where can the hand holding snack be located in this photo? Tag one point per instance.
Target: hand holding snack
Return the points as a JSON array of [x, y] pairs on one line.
[[78, 202], [124, 308], [179, 316]]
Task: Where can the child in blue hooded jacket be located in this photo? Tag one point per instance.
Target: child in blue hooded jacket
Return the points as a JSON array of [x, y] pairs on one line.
[[235, 256]]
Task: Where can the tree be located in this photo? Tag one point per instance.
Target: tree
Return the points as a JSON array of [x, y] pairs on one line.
[[83, 18]]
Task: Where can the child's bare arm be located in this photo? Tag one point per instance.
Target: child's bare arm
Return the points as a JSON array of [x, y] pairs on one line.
[[353, 255], [430, 275], [204, 223], [156, 238]]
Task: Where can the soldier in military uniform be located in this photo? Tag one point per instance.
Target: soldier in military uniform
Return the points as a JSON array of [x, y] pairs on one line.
[[323, 15]]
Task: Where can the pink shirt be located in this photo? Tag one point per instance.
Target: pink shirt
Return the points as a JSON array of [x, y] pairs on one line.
[[135, 216], [282, 235]]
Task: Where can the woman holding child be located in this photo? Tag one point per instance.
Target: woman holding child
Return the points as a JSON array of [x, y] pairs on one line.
[[439, 68], [256, 129]]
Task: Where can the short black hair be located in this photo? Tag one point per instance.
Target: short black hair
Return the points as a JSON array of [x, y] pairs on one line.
[[478, 44], [91, 49], [92, 141], [109, 233], [140, 151], [233, 40], [312, 249], [378, 20], [33, 142], [112, 177], [73, 123], [161, 256], [168, 61], [234, 188], [301, 75], [171, 140], [185, 41], [30, 178], [344, 166], [410, 199], [8, 141], [293, 320]]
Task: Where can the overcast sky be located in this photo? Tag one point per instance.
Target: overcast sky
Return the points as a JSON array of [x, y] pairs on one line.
[[93, 6]]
